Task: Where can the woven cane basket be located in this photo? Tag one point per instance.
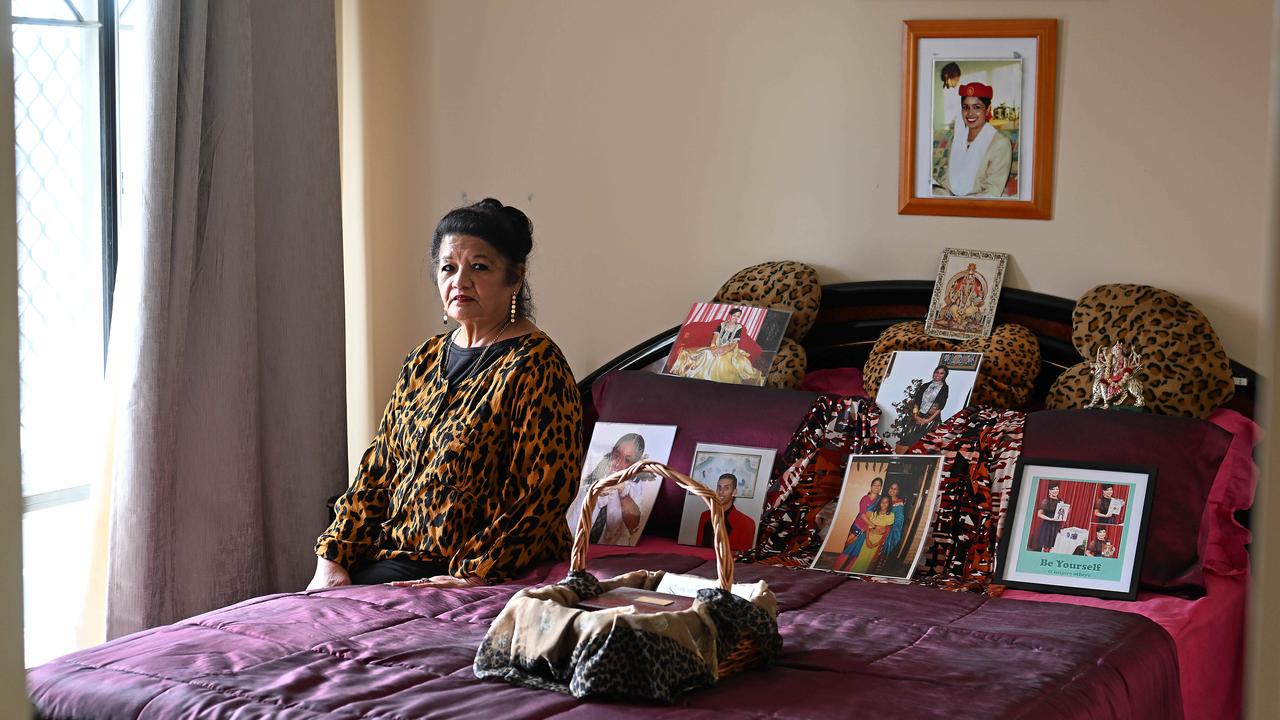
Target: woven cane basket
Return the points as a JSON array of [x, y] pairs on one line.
[[542, 640]]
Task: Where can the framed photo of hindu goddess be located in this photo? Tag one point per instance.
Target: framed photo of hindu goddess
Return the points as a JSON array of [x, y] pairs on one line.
[[977, 118], [965, 294]]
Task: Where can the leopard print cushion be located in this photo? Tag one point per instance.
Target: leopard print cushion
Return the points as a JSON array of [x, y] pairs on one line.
[[1010, 360], [782, 285], [1186, 369], [788, 366]]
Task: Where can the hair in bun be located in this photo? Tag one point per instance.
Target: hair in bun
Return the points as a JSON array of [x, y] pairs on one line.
[[505, 228]]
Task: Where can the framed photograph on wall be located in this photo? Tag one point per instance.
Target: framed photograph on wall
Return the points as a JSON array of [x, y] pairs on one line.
[[977, 118], [1076, 528], [965, 294]]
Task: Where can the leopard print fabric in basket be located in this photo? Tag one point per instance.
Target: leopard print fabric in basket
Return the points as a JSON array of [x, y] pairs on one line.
[[541, 640]]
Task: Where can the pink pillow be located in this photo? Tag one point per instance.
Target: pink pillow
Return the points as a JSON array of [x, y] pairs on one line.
[[1223, 541], [846, 382]]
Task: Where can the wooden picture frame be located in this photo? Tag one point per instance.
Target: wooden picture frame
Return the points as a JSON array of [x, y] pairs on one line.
[[1016, 62], [1097, 550]]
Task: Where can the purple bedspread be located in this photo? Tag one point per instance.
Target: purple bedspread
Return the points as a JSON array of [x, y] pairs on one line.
[[851, 649]]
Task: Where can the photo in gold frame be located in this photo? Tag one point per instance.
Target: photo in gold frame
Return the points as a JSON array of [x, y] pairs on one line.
[[978, 118]]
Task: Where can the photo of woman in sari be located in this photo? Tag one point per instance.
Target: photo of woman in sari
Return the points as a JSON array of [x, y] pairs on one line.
[[897, 506], [871, 544], [723, 360], [859, 526], [881, 522]]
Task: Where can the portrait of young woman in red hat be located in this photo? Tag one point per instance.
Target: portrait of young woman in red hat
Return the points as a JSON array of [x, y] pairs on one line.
[[976, 155]]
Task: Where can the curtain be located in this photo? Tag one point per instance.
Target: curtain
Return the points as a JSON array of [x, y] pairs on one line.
[[226, 353]]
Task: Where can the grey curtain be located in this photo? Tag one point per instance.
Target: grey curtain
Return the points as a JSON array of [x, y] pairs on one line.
[[226, 352]]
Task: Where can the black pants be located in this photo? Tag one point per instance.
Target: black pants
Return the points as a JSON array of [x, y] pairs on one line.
[[384, 571]]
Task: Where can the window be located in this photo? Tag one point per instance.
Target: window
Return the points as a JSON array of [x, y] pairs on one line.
[[64, 105]]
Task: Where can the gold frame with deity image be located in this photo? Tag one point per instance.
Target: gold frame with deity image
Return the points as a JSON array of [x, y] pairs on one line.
[[954, 314]]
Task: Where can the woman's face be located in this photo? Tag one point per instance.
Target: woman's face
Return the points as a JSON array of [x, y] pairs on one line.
[[472, 278], [974, 112], [735, 316], [625, 454], [1053, 492], [875, 487], [894, 490], [939, 375]]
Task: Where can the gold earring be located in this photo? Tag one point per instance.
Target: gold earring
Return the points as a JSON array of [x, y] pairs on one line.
[[513, 307]]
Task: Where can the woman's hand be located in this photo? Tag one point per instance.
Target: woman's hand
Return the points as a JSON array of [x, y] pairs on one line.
[[442, 581], [328, 574]]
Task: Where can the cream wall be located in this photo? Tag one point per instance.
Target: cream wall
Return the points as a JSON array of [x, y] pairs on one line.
[[661, 145]]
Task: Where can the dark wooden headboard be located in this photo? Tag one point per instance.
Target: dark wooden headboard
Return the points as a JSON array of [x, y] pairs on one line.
[[854, 314]]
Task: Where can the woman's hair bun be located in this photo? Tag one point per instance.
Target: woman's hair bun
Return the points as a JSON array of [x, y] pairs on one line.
[[521, 227], [505, 228]]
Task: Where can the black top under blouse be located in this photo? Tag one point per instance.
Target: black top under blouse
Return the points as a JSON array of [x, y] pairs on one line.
[[462, 360]]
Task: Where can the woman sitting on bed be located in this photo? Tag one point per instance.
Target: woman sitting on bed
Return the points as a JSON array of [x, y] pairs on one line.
[[472, 469]]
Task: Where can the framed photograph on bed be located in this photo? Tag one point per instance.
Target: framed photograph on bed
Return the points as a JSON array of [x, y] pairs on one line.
[[882, 519], [977, 118], [965, 294], [1076, 528], [920, 391], [621, 512], [739, 476], [727, 343]]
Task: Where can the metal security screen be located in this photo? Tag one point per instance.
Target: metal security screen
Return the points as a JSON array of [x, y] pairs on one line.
[[64, 131]]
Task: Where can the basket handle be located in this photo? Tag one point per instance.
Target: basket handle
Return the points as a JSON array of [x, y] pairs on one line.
[[724, 557]]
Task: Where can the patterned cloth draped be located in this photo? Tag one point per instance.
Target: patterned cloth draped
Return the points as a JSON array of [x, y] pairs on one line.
[[806, 480], [980, 448]]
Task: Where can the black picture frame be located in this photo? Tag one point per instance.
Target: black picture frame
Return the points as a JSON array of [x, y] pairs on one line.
[[1062, 569]]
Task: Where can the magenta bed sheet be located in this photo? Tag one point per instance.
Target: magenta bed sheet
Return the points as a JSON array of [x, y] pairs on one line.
[[1209, 631], [851, 648]]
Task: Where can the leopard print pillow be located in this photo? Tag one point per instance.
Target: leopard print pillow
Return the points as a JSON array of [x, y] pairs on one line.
[[1010, 360], [788, 366], [1186, 369], [783, 285]]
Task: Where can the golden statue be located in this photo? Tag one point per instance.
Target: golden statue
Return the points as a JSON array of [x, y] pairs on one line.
[[1115, 377]]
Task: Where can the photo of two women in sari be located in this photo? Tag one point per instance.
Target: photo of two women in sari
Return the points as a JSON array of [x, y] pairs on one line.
[[882, 517]]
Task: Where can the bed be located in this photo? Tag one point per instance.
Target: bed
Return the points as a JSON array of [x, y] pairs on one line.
[[849, 647]]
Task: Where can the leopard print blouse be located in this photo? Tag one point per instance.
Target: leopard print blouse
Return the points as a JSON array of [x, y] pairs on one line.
[[479, 475]]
